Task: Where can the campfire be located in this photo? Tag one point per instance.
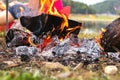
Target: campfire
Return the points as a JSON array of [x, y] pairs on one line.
[[54, 37]]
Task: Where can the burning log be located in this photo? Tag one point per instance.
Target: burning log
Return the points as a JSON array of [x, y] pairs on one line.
[[16, 37], [110, 40], [45, 23]]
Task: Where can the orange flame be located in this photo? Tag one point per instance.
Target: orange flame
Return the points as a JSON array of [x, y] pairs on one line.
[[46, 4], [103, 30], [100, 37], [47, 7], [30, 41]]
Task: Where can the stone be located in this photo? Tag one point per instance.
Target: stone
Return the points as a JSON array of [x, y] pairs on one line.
[[110, 70]]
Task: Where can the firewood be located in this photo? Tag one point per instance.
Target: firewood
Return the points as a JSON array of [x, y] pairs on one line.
[[16, 37], [110, 40], [44, 23]]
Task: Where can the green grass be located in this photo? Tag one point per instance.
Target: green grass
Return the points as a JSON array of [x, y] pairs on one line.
[[90, 35], [45, 74], [90, 17]]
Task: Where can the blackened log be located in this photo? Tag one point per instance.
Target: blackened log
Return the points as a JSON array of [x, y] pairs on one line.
[[110, 40], [44, 23], [15, 37]]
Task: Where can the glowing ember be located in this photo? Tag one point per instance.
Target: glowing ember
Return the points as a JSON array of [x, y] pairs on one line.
[[99, 37], [31, 42], [103, 30], [44, 43]]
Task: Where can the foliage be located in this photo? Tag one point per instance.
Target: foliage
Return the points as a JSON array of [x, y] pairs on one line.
[[108, 6], [14, 75], [78, 7]]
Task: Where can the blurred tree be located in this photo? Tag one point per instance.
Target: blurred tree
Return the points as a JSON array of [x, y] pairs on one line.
[[108, 6], [78, 7]]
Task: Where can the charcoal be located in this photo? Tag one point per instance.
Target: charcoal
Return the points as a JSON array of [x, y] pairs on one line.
[[110, 40], [17, 37], [25, 58], [90, 48], [87, 58], [44, 23]]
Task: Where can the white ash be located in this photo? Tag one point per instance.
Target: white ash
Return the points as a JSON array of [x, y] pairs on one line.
[[24, 50], [55, 39], [61, 47], [61, 43], [72, 50], [113, 55], [91, 48], [47, 53], [75, 40]]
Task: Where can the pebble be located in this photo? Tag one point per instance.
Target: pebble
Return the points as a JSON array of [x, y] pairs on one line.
[[110, 70]]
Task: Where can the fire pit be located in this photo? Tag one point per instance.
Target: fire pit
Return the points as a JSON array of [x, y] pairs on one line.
[[50, 40], [54, 37]]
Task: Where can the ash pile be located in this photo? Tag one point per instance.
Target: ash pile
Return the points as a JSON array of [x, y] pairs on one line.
[[44, 40]]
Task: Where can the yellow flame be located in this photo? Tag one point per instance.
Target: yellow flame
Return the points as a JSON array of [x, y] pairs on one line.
[[53, 29], [98, 39], [49, 11], [98, 42], [103, 30], [47, 4], [64, 23], [30, 41], [48, 37], [71, 30], [42, 4], [61, 39]]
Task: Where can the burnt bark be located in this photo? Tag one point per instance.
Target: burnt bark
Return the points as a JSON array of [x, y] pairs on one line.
[[16, 37], [110, 40], [44, 23]]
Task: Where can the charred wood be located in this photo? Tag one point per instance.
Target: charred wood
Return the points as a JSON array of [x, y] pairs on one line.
[[44, 23], [110, 40], [16, 37]]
